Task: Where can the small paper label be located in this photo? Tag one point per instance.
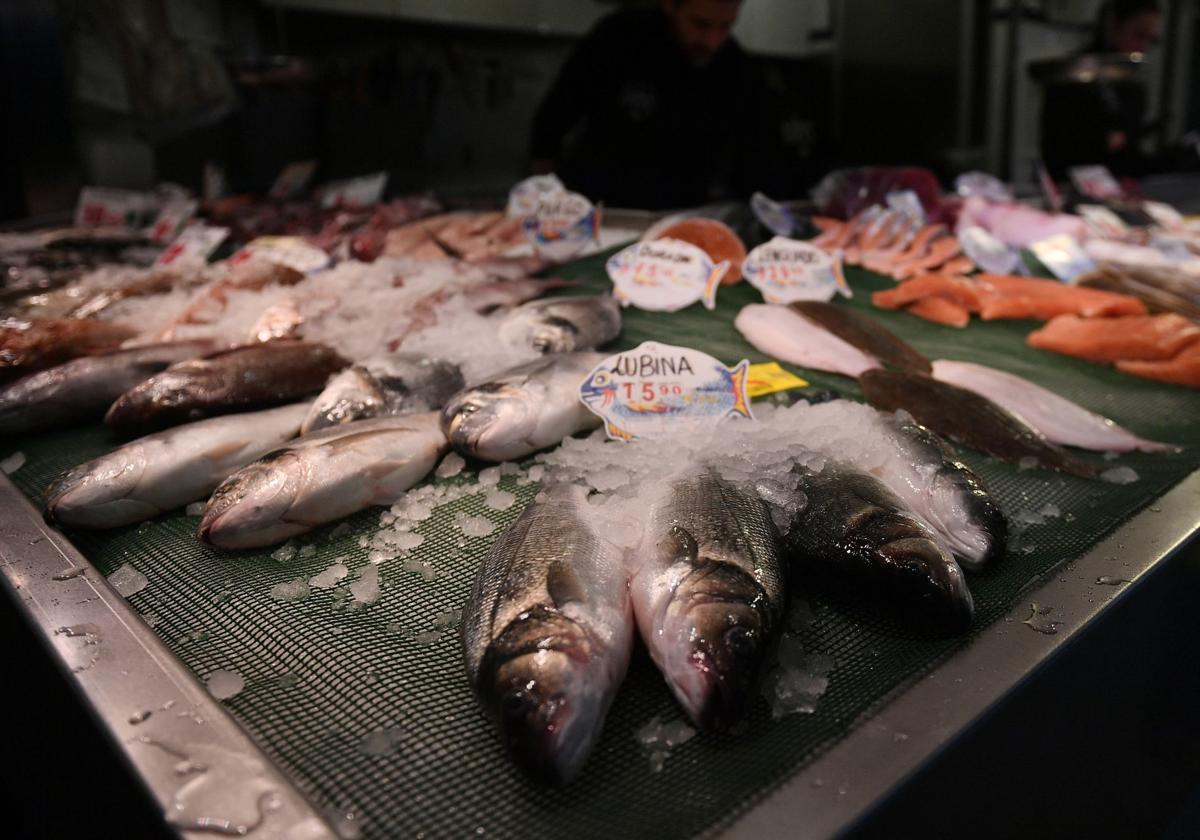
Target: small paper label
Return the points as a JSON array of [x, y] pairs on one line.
[[562, 224], [665, 275], [655, 389], [771, 378], [109, 207], [1102, 221], [983, 185], [524, 197], [292, 181], [215, 183], [197, 242], [1063, 256], [171, 220], [1095, 182], [909, 204], [1164, 215], [774, 216], [987, 252], [290, 251], [354, 192], [787, 270]]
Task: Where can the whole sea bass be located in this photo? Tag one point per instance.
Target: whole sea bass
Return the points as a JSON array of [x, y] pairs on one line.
[[547, 633], [251, 376], [523, 410], [167, 470], [322, 477], [708, 593], [82, 389], [397, 384], [563, 325], [854, 527]]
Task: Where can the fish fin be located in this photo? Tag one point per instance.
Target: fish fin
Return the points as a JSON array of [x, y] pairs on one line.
[[713, 283], [563, 584], [677, 545], [616, 432], [741, 402], [840, 277], [224, 450]]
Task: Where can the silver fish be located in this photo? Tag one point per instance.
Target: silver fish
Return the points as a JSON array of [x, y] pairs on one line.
[[562, 325], [547, 633], [167, 470], [321, 477], [708, 593], [854, 527], [519, 412], [81, 389], [390, 385]]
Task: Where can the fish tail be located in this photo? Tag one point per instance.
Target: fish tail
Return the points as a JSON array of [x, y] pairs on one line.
[[741, 402], [616, 432], [839, 276], [597, 217], [714, 282]]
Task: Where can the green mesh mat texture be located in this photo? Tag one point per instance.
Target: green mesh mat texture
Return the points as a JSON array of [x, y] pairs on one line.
[[324, 679]]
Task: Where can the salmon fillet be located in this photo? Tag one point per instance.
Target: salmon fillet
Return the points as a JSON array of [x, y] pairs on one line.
[[958, 290], [1153, 338], [1026, 297], [1184, 369], [941, 311]]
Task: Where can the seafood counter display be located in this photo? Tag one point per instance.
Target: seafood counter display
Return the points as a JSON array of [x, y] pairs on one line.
[[452, 603]]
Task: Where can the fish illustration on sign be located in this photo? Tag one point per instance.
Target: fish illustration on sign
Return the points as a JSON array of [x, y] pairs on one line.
[[665, 275], [654, 389]]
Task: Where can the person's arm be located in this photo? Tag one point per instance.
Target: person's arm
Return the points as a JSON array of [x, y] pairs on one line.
[[568, 100]]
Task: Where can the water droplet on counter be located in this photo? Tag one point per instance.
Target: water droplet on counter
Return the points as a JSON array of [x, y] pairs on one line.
[[140, 717], [1110, 580], [1037, 620], [68, 574]]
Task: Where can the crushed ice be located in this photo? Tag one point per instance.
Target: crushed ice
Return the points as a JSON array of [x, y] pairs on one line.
[[657, 739], [1119, 475], [127, 581], [291, 590]]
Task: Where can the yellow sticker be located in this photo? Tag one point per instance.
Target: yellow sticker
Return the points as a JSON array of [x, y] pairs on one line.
[[770, 378]]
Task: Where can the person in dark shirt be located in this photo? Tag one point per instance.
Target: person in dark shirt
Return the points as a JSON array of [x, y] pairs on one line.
[[657, 108], [1096, 115]]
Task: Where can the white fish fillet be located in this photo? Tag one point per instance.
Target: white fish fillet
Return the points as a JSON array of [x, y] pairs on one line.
[[784, 334], [169, 469], [1056, 417]]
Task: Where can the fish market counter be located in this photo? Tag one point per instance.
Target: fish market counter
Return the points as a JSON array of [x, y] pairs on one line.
[[284, 693]]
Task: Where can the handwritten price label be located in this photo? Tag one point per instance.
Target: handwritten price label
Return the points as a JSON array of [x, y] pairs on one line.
[[654, 389], [665, 275], [786, 270], [562, 225]]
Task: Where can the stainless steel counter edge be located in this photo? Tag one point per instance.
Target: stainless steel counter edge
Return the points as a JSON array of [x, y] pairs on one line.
[[204, 771], [834, 791]]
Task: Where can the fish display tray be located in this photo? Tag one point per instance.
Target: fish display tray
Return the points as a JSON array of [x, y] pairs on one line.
[[367, 710]]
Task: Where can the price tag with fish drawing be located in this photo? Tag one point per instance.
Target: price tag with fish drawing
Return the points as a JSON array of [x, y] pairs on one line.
[[655, 389], [786, 270], [562, 224], [665, 275], [523, 198]]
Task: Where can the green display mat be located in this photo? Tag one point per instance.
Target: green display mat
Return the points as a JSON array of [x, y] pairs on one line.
[[321, 678]]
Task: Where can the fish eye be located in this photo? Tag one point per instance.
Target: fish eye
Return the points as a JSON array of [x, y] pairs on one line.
[[740, 640], [601, 378], [516, 705]]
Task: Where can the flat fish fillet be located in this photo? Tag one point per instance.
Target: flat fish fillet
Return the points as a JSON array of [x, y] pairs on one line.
[[941, 311], [785, 334], [1184, 369], [1056, 417], [1148, 338]]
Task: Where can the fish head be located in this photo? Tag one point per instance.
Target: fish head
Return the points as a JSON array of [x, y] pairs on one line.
[[716, 630], [98, 494], [490, 421], [599, 391], [250, 508], [540, 677]]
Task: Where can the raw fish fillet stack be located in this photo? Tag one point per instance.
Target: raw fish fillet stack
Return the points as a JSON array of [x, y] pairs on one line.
[[891, 243], [1162, 347], [951, 300]]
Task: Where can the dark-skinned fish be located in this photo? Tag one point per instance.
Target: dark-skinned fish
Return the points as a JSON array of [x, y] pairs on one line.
[[390, 385]]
